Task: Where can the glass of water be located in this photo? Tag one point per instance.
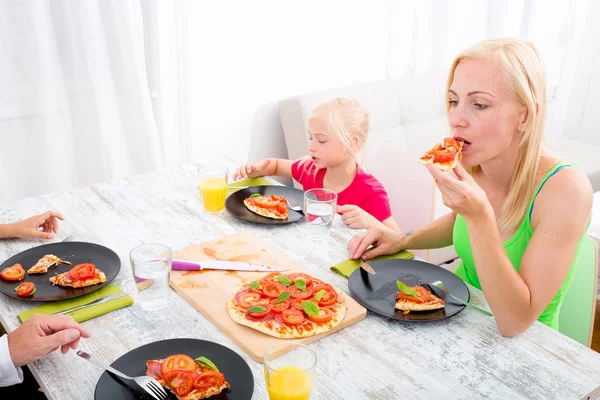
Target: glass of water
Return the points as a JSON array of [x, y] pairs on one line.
[[151, 264], [319, 209]]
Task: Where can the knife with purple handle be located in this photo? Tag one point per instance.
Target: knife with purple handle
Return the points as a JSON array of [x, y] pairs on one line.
[[187, 265]]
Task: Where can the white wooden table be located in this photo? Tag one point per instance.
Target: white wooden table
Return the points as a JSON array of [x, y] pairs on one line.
[[463, 357]]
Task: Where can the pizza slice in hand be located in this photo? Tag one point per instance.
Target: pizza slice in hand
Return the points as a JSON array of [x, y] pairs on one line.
[[445, 155], [416, 298], [41, 267]]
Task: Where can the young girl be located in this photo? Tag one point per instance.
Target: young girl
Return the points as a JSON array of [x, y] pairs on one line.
[[337, 131]]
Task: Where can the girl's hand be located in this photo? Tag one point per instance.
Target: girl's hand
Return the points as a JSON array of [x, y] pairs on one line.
[[30, 227], [355, 217], [251, 170], [463, 195]]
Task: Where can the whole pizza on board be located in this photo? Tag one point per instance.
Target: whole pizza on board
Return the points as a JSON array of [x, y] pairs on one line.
[[287, 306]]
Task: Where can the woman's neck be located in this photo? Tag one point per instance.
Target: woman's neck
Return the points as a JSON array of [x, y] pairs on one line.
[[340, 176], [500, 170]]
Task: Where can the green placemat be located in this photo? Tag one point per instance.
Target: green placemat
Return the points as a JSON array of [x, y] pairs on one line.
[[246, 182], [346, 268], [85, 313]]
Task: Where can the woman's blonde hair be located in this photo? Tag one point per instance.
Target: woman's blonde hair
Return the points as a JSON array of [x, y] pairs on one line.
[[345, 119], [525, 75]]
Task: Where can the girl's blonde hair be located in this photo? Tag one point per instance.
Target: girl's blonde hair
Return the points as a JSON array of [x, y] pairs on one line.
[[345, 119], [525, 75]]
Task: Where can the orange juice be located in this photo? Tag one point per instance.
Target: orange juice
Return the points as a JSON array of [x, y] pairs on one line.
[[289, 383], [214, 191]]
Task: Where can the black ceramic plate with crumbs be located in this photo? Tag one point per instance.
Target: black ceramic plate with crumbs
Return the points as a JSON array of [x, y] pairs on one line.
[[232, 365], [235, 204], [75, 252], [378, 292]]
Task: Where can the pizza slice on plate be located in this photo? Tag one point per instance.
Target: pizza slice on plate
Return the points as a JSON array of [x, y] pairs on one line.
[[187, 378], [445, 155], [416, 298], [79, 276], [271, 207], [41, 267]]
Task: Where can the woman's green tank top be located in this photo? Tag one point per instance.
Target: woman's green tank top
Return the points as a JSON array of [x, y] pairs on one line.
[[515, 248]]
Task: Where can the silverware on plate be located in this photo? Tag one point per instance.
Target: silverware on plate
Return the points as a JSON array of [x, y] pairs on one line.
[[440, 284], [101, 300], [365, 265]]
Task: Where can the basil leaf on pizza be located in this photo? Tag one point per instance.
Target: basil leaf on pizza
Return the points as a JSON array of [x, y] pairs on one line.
[[254, 285], [405, 289], [311, 308], [300, 284], [257, 309], [282, 297], [255, 195], [206, 362], [284, 280], [319, 295]]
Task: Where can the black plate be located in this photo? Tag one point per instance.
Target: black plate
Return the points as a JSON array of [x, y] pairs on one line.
[[378, 292], [236, 370], [235, 204], [76, 252]]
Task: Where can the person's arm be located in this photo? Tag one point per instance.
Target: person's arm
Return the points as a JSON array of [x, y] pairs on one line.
[[391, 223], [518, 298], [384, 240], [9, 374], [30, 227], [266, 167]]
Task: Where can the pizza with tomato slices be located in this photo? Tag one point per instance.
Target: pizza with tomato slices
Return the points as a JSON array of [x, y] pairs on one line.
[[287, 306], [187, 378], [79, 276], [416, 298], [271, 207], [445, 155]]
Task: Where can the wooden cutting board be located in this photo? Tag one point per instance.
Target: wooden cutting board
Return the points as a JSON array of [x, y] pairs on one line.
[[209, 290]]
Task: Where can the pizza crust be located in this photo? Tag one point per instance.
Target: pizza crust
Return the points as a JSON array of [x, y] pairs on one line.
[[41, 267], [410, 306], [263, 211], [282, 330]]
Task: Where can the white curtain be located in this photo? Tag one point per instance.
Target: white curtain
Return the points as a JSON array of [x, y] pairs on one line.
[[427, 34], [82, 100]]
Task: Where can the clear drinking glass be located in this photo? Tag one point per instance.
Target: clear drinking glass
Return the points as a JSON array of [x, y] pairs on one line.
[[151, 264], [290, 376], [213, 187], [319, 209]]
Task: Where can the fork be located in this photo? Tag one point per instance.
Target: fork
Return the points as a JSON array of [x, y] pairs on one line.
[[441, 285], [293, 205], [150, 385]]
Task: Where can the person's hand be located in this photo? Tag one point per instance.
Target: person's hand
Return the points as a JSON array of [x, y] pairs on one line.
[[463, 195], [30, 227], [41, 335], [383, 239], [251, 170], [355, 217]]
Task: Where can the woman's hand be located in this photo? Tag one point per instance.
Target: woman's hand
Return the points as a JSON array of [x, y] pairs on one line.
[[251, 170], [383, 239], [30, 227], [355, 217], [463, 195]]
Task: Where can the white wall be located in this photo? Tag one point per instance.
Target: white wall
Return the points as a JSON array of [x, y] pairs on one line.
[[247, 55]]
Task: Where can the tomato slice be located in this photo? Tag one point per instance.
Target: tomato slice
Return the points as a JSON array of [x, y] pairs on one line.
[[278, 198], [282, 207], [178, 362], [181, 382], [209, 379], [14, 273], [445, 152], [325, 315], [271, 277], [279, 307], [25, 289], [266, 203], [247, 299], [330, 296], [296, 293], [82, 272], [292, 316], [305, 277], [423, 297], [297, 304], [273, 289], [263, 313]]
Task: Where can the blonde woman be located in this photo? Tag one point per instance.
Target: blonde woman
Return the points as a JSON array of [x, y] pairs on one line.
[[337, 131], [518, 213]]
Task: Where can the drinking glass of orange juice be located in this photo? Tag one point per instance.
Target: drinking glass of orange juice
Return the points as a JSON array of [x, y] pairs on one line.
[[290, 376], [213, 187]]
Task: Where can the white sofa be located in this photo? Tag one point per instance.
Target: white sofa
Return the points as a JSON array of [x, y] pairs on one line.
[[407, 115]]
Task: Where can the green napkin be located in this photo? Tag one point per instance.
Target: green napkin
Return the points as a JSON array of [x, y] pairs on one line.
[[346, 268], [247, 182], [85, 313]]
